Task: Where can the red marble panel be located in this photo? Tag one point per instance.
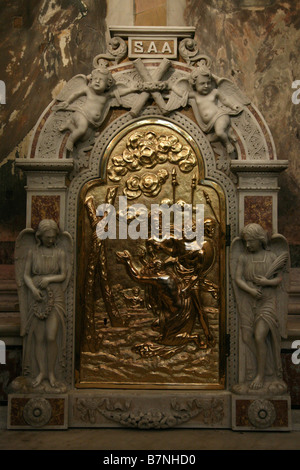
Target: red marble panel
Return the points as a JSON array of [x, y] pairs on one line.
[[280, 406], [44, 207], [259, 210], [17, 408]]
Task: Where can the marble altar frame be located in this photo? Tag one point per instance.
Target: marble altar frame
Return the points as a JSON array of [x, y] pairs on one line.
[[251, 181]]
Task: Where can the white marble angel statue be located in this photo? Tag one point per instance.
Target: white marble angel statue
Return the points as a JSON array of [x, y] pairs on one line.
[[213, 101], [43, 264], [259, 271], [93, 96]]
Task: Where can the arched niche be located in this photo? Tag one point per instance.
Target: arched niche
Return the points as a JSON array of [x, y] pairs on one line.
[[151, 161]]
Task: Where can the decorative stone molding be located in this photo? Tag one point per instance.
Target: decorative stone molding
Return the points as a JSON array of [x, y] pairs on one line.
[[255, 140], [46, 182], [31, 411], [153, 31], [261, 414], [27, 164], [276, 166], [210, 412], [151, 411], [263, 182], [37, 412]]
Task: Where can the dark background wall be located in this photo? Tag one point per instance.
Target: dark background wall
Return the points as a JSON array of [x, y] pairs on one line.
[[43, 44]]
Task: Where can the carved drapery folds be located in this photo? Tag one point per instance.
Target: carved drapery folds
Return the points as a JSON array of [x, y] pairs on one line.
[[125, 413], [260, 269]]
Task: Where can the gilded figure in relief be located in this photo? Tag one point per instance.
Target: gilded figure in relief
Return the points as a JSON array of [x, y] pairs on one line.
[[174, 285]]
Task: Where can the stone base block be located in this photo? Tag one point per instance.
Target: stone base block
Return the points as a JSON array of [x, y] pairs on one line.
[[32, 411], [149, 409], [250, 413]]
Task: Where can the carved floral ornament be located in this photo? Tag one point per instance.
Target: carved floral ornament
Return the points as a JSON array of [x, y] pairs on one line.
[[125, 413], [147, 150]]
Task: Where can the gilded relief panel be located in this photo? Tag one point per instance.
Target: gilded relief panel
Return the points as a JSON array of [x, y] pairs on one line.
[[151, 266]]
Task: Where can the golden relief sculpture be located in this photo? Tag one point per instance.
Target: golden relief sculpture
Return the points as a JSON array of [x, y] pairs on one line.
[[151, 308], [147, 150]]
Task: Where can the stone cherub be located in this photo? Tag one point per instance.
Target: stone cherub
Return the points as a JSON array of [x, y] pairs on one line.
[[100, 91], [43, 269], [213, 101], [260, 275]]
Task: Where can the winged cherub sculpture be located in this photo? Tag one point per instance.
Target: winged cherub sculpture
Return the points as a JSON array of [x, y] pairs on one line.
[[90, 97], [259, 273], [44, 260], [214, 100]]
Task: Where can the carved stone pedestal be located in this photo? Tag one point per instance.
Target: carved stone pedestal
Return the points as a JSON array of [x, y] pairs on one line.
[[32, 411], [150, 409], [261, 413]]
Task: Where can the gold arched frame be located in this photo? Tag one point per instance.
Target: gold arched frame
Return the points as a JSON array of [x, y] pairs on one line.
[[97, 187]]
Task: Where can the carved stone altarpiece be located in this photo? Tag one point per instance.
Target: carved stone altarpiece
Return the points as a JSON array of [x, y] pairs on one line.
[[153, 320]]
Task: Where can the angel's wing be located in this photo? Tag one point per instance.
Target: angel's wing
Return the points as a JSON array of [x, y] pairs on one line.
[[279, 246], [179, 95], [65, 242], [25, 242], [230, 94], [72, 86], [236, 250]]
